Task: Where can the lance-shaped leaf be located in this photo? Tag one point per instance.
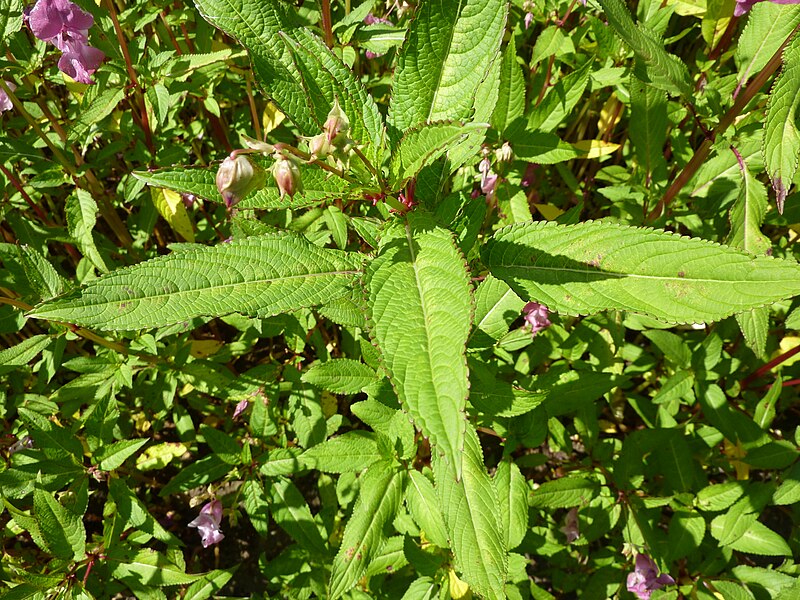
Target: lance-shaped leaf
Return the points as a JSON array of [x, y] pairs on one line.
[[318, 186], [419, 307], [421, 146], [511, 91], [257, 24], [648, 129], [656, 65], [448, 52], [768, 26], [325, 79], [259, 276], [781, 136], [378, 500], [470, 506], [585, 268]]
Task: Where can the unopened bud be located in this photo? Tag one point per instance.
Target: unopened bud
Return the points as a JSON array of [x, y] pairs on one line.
[[337, 126], [237, 177], [504, 153], [319, 146], [287, 176]]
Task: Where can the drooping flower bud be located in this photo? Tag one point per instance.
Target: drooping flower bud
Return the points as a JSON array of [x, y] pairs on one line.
[[504, 153], [238, 176], [337, 126], [287, 175], [319, 146]]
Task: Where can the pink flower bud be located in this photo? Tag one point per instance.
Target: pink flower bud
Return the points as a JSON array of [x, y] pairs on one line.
[[237, 177], [319, 146], [287, 176], [337, 125]]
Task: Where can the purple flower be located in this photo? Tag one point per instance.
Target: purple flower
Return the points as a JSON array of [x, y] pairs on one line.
[[207, 523], [742, 6], [645, 578], [66, 26], [528, 19], [488, 179], [536, 316], [5, 101], [240, 408]]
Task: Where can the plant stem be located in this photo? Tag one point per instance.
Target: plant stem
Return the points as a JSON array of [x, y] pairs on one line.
[[705, 148], [325, 7]]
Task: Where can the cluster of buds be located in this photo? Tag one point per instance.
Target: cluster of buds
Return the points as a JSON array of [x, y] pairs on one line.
[[238, 175]]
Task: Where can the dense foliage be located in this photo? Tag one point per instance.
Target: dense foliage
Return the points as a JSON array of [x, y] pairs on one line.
[[435, 300]]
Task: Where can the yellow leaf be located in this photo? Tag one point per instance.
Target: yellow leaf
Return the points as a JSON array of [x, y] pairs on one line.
[[596, 148], [272, 117], [788, 342], [170, 206], [329, 404], [204, 348], [159, 456], [610, 114], [548, 211], [735, 453], [459, 590]]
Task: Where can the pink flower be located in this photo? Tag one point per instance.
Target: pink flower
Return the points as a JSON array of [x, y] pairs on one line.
[[488, 179], [742, 6], [5, 101], [645, 578], [66, 26], [536, 316], [240, 408], [528, 19], [570, 528], [207, 523]]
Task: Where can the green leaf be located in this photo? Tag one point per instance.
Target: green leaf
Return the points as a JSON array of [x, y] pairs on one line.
[[134, 513], [24, 352], [552, 41], [730, 590], [98, 109], [496, 307], [594, 266], [760, 539], [747, 216], [556, 106], [111, 457], [685, 533], [781, 136], [512, 492], [291, 513], [50, 436], [317, 186], [719, 496], [470, 505], [420, 146], [257, 25], [352, 451], [541, 148], [511, 97], [340, 375], [200, 472], [655, 65], [648, 129], [379, 497], [62, 529], [259, 276], [448, 52], [81, 211], [419, 308], [768, 26], [10, 18], [424, 507], [565, 492], [209, 584], [772, 455], [23, 591], [147, 567], [325, 79], [40, 273]]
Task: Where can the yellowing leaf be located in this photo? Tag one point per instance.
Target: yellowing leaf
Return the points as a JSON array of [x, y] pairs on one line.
[[735, 453], [204, 348], [596, 148], [548, 211], [170, 206], [788, 343], [459, 590], [610, 114], [159, 456], [272, 117]]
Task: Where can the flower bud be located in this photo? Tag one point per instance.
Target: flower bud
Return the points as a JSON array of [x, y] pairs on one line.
[[237, 177], [337, 125], [319, 146], [504, 153], [287, 176]]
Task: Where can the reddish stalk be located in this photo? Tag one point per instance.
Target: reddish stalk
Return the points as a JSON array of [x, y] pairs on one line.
[[327, 29], [769, 366]]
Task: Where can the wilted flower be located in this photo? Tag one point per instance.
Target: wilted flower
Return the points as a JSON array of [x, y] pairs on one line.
[[240, 408], [742, 6], [337, 125], [66, 26], [208, 522], [287, 175], [570, 528], [238, 176], [536, 316], [5, 101], [488, 179], [645, 578]]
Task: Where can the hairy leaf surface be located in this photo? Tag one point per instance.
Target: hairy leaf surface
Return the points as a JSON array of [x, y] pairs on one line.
[[420, 310], [260, 276], [594, 266]]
